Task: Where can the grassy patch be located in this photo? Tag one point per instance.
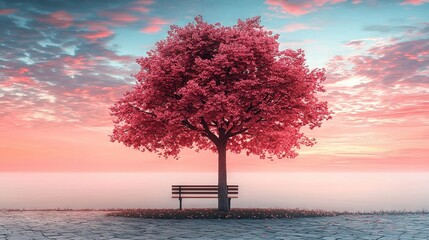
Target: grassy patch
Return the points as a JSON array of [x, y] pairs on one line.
[[206, 213], [211, 213], [243, 213]]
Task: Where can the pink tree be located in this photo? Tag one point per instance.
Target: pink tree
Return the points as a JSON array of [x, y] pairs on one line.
[[221, 88]]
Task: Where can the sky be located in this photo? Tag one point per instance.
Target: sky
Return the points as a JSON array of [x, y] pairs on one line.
[[64, 63]]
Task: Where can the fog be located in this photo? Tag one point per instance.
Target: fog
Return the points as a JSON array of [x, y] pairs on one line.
[[311, 190]]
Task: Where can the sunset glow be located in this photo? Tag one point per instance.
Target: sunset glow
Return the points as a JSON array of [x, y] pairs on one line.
[[63, 65]]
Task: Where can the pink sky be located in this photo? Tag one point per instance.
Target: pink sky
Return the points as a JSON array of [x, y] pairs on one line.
[[56, 88]]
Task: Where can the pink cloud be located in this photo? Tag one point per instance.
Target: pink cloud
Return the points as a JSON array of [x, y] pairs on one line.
[[118, 17], [7, 11], [154, 26], [356, 44], [385, 84], [140, 6], [298, 44], [296, 27], [151, 29], [97, 34], [96, 30], [77, 62], [60, 19], [23, 70], [298, 8], [65, 89], [144, 2], [414, 2], [140, 9], [24, 80], [18, 76], [159, 21], [393, 63], [74, 64]]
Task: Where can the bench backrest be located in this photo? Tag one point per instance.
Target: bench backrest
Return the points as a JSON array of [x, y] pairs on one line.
[[201, 191]]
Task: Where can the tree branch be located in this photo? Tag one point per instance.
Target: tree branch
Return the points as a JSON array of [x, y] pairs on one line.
[[143, 111], [231, 134], [208, 133], [189, 125]]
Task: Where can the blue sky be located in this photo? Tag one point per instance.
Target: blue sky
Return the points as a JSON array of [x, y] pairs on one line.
[[326, 29]]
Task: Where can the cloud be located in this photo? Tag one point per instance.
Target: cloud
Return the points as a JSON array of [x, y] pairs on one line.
[[97, 34], [414, 2], [140, 9], [7, 11], [19, 80], [144, 2], [141, 6], [154, 26], [297, 44], [159, 21], [390, 29], [61, 19], [119, 17], [299, 8], [385, 83], [293, 27], [96, 30], [151, 29], [395, 62], [357, 44], [57, 69]]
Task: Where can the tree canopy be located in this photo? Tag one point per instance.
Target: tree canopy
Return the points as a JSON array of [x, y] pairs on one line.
[[206, 85]]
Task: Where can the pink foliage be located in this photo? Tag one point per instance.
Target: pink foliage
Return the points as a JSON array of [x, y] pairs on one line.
[[208, 84]]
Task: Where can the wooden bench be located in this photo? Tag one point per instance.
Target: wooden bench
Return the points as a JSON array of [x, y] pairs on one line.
[[201, 191]]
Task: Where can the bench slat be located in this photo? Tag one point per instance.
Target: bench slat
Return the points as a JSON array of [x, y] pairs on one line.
[[202, 197], [204, 192], [200, 192], [201, 186]]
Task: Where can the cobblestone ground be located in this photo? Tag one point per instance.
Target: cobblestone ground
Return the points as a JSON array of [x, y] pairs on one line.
[[96, 225]]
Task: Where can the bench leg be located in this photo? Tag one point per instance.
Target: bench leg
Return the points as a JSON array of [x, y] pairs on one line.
[[229, 203], [180, 206]]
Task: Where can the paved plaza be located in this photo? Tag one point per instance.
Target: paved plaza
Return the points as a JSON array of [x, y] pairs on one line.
[[16, 225]]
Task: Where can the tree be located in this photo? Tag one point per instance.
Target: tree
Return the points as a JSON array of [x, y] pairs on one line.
[[208, 86]]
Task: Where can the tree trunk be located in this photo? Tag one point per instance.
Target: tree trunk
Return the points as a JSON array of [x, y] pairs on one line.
[[223, 205]]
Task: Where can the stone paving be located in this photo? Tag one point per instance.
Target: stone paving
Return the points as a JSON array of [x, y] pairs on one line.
[[15, 225]]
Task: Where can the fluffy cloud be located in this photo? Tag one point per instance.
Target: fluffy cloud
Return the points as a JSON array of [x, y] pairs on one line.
[[57, 67], [387, 83], [415, 2], [7, 11], [119, 17], [293, 27], [154, 26], [61, 19], [298, 8]]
